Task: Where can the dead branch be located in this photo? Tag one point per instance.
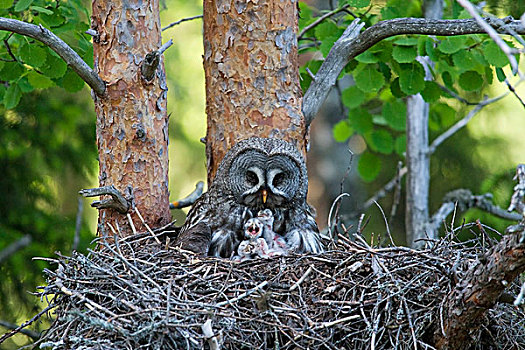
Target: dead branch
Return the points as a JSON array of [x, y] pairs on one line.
[[151, 61], [14, 247], [60, 47], [180, 21], [189, 199], [32, 334], [342, 53], [117, 200]]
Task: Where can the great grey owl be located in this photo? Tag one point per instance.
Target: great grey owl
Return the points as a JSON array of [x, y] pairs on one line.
[[256, 174]]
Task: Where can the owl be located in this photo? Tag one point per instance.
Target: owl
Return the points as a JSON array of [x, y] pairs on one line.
[[255, 174], [276, 244], [254, 245]]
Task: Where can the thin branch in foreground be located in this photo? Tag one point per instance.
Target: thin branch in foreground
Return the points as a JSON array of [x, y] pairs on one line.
[[25, 324], [45, 36], [31, 334], [180, 21]]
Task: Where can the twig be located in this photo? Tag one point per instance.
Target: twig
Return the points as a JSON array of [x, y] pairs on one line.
[[491, 32], [520, 296], [147, 226], [243, 295], [117, 200], [386, 223], [513, 90], [25, 324], [32, 334], [180, 21], [333, 323], [151, 61], [189, 199], [210, 337], [320, 19], [60, 47], [336, 200], [301, 280], [388, 187], [14, 247]]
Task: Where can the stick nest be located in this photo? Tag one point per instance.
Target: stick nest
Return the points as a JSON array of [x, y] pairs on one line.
[[137, 294]]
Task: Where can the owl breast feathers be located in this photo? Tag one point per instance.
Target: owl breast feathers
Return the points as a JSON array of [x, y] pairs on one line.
[[256, 174]]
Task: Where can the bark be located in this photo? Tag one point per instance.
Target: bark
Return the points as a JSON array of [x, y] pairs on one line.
[[418, 158], [478, 291], [132, 124], [252, 78]]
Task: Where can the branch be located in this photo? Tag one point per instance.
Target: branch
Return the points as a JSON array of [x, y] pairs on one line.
[[152, 60], [61, 48], [190, 199], [14, 247], [345, 49], [117, 200], [321, 19], [180, 21], [465, 200], [31, 334]]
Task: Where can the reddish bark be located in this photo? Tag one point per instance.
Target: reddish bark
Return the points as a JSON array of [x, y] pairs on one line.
[[132, 124], [252, 78]]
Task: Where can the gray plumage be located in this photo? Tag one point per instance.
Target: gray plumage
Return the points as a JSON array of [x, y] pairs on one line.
[[254, 170]]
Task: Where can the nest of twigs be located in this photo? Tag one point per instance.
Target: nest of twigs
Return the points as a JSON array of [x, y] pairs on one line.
[[137, 294]]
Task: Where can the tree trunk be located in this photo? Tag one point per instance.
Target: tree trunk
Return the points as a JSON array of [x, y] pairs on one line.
[[418, 159], [252, 78], [132, 124]]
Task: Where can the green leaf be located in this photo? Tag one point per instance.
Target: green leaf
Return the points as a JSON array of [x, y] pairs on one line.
[[11, 71], [470, 81], [369, 79], [494, 55], [33, 54], [352, 97], [367, 57], [326, 29], [358, 3], [55, 66], [53, 20], [464, 60], [432, 92], [447, 79], [24, 85], [72, 82], [412, 79], [326, 45], [360, 120], [369, 166], [21, 5], [381, 141], [395, 114], [501, 75], [5, 4], [430, 49], [404, 54], [406, 41], [41, 10], [12, 96], [400, 145], [342, 131], [452, 44], [395, 89], [39, 81]]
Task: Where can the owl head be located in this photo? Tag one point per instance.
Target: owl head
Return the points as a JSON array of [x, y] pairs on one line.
[[263, 173], [253, 228]]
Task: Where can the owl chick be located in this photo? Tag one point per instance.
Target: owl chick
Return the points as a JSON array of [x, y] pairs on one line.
[[276, 244], [255, 244]]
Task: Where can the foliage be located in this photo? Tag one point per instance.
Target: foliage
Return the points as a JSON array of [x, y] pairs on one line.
[[26, 64], [385, 75]]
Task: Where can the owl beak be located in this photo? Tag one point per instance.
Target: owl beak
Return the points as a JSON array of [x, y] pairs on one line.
[[264, 195]]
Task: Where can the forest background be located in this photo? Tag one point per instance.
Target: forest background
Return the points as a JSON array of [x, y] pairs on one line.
[[48, 153]]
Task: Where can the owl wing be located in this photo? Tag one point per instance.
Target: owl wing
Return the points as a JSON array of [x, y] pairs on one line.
[[195, 239], [302, 233]]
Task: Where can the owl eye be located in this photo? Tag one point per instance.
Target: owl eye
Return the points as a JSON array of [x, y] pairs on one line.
[[251, 178], [278, 179]]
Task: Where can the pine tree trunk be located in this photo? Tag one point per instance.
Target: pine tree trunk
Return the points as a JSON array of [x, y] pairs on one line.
[[252, 78], [132, 124]]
